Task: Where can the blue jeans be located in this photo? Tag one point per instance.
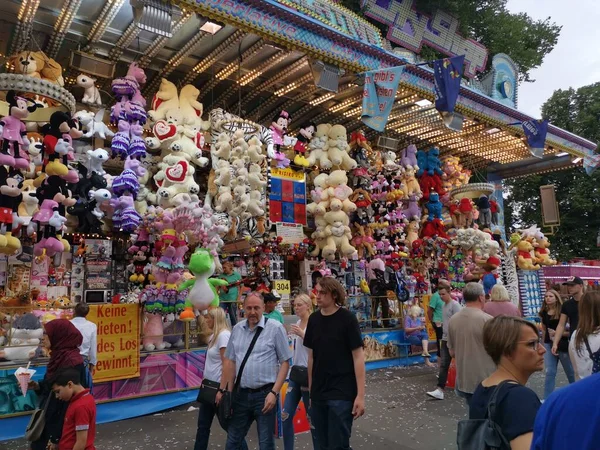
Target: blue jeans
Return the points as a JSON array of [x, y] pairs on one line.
[[417, 339], [551, 365], [206, 414], [247, 407], [231, 308], [292, 398], [333, 423]]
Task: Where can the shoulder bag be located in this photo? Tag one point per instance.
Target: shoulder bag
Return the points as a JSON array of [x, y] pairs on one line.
[[225, 408], [208, 392], [483, 434], [299, 375], [37, 422]]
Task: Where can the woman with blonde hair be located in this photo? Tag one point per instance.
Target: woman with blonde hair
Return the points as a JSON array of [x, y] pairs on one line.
[[500, 303], [416, 332], [584, 347], [550, 316], [216, 320], [298, 383]]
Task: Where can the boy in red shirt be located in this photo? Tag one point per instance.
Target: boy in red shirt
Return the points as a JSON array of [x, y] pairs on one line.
[[79, 427]]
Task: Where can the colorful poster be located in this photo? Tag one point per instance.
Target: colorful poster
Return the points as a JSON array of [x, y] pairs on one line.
[[118, 341], [287, 196]]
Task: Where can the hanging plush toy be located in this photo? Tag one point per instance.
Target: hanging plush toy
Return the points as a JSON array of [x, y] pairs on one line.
[[304, 136], [202, 292], [279, 130], [10, 199], [13, 132]]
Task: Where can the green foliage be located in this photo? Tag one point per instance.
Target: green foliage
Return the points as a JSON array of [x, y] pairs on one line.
[[525, 40], [578, 195]]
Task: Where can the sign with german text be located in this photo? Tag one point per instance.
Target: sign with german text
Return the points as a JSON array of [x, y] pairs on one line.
[[118, 341], [379, 95]]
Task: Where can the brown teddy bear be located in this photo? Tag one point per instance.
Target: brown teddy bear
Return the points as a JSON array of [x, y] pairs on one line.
[[37, 65]]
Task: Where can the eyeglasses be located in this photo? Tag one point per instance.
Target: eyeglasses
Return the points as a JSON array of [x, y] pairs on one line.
[[534, 345]]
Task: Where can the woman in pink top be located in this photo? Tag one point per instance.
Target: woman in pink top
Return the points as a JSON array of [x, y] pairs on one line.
[[500, 303]]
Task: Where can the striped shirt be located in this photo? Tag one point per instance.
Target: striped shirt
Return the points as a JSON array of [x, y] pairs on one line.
[[270, 351]]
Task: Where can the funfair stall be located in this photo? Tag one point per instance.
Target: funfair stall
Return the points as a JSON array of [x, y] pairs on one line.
[[145, 143]]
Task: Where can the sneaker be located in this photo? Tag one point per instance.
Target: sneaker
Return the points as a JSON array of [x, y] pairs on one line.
[[438, 394]]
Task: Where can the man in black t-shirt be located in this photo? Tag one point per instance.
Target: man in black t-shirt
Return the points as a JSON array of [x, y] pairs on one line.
[[336, 367], [569, 310]]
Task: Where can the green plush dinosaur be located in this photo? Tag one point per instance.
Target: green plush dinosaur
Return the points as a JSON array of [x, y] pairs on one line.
[[203, 292]]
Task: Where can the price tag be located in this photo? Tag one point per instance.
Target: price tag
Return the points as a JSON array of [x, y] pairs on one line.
[[282, 286]]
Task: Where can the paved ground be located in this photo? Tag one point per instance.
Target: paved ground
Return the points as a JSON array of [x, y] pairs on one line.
[[399, 416]]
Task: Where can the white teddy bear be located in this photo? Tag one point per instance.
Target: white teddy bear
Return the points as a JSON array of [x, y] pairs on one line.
[[91, 94], [223, 173], [255, 178], [222, 148]]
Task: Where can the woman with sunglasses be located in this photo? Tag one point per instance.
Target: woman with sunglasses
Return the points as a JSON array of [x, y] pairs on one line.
[[550, 317], [514, 346]]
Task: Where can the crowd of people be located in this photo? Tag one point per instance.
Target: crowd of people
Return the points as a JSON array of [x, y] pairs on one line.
[[494, 349]]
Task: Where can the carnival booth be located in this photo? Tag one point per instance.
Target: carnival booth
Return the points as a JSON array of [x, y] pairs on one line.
[[146, 143]]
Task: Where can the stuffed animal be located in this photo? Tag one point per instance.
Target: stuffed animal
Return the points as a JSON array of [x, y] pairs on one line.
[[485, 213], [318, 147], [304, 136], [91, 94], [338, 148], [434, 206], [153, 332], [13, 132], [542, 254], [411, 185], [412, 232], [164, 100], [422, 162], [224, 199], [433, 161], [175, 177], [408, 159], [413, 211], [278, 129], [94, 124], [222, 148], [37, 65], [363, 241], [223, 173], [465, 208], [203, 291], [339, 192], [255, 150], [524, 257], [389, 161], [10, 199], [256, 204], [190, 107], [338, 235], [96, 158], [494, 210], [319, 195], [26, 334], [256, 179]]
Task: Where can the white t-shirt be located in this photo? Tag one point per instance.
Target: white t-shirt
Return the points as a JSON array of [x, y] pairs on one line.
[[581, 359], [214, 366], [300, 357]]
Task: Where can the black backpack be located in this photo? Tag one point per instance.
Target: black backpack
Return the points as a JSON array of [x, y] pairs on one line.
[[482, 434]]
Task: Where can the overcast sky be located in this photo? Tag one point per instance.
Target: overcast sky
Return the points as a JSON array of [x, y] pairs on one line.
[[575, 60]]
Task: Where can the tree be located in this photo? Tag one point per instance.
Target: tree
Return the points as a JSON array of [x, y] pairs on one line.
[[525, 40], [578, 194]]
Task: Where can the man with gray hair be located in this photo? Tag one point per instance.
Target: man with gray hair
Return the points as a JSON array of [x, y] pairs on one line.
[[465, 342], [259, 373]]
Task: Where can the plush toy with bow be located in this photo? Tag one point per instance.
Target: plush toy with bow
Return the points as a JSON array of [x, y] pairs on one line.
[[203, 292], [13, 132]]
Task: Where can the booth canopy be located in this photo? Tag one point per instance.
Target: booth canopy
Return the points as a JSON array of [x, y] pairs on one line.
[[261, 61]]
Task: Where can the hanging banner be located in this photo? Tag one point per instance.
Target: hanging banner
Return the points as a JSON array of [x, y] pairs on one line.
[[591, 163], [379, 95], [118, 341], [447, 74], [287, 196], [535, 133]]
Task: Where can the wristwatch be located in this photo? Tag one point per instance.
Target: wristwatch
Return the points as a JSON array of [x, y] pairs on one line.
[[222, 391], [274, 393]]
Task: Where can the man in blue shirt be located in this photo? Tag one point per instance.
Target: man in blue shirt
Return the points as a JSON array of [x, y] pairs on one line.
[[570, 418]]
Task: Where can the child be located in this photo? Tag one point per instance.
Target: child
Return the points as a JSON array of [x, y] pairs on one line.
[[79, 428]]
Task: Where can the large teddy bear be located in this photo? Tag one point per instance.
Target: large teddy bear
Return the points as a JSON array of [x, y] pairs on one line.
[[338, 192], [338, 234], [319, 236], [318, 146], [176, 176], [164, 100], [37, 65], [338, 148], [319, 195]]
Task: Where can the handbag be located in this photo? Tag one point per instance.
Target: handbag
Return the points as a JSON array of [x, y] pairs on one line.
[[225, 408], [482, 434], [208, 392], [299, 375], [37, 422]]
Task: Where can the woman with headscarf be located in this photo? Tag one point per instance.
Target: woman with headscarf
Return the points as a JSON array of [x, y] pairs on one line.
[[63, 340]]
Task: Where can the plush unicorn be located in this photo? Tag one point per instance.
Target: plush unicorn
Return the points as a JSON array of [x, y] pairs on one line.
[[203, 291]]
